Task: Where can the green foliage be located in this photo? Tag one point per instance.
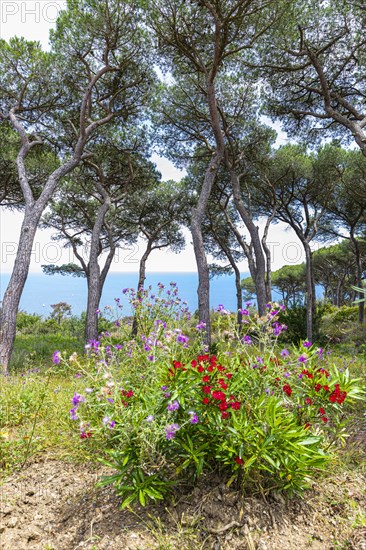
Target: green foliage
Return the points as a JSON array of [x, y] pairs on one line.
[[251, 413]]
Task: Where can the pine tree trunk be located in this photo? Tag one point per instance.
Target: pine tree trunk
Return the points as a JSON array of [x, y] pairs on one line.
[[141, 283], [310, 291], [361, 305], [15, 287], [260, 263], [94, 295]]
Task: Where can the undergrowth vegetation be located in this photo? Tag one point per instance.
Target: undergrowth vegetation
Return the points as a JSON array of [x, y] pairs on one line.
[[163, 411]]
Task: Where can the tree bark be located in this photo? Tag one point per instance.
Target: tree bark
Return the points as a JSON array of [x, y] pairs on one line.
[[310, 291], [94, 276], [15, 287], [260, 262], [141, 282], [361, 305]]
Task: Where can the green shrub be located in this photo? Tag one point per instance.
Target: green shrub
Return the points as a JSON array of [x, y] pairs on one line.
[[168, 412]]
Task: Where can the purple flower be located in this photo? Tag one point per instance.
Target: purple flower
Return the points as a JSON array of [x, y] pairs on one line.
[[170, 430], [118, 346], [285, 353], [302, 359], [243, 312], [158, 322], [110, 400], [287, 375], [247, 340], [194, 417], [73, 414], [77, 399], [174, 406], [167, 394], [220, 309], [88, 390], [56, 357], [307, 344], [164, 388], [150, 358], [260, 360], [108, 422], [201, 326], [149, 418], [181, 339]]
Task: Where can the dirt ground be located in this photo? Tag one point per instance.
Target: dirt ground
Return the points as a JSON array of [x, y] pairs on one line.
[[54, 505]]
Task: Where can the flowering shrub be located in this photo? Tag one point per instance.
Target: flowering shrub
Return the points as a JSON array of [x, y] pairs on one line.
[[168, 412]]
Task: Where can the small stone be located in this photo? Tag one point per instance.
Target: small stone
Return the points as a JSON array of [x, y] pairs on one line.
[[12, 522]]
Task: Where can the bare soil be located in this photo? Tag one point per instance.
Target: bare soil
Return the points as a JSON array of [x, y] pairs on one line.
[[54, 505]]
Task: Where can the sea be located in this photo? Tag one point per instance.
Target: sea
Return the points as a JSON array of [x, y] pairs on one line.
[[42, 290]]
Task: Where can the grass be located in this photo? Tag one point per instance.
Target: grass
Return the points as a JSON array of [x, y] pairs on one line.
[[34, 418]]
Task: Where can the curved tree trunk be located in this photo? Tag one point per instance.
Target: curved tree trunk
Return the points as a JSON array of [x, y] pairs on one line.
[[260, 262], [15, 287], [95, 282], [141, 282]]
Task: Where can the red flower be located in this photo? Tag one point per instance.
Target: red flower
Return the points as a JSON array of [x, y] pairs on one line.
[[323, 371], [236, 405], [194, 363], [307, 373], [206, 389], [321, 410], [222, 384], [325, 419], [239, 460], [326, 388], [225, 415], [200, 368], [308, 401], [287, 389], [217, 394], [228, 375], [206, 378], [210, 368], [220, 368], [337, 396], [177, 364], [307, 425], [203, 358], [317, 387], [129, 393], [205, 400], [223, 406]]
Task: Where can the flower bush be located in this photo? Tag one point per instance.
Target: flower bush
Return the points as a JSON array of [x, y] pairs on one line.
[[168, 411]]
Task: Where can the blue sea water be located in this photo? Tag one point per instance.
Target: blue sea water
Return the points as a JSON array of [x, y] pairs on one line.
[[42, 290]]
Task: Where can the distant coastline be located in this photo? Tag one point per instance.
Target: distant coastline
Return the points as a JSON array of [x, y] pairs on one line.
[[43, 290]]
